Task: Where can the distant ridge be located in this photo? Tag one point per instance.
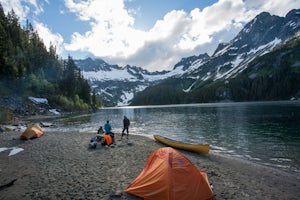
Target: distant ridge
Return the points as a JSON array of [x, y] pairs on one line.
[[202, 78]]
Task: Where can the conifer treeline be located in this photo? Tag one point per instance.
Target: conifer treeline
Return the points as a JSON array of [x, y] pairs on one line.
[[27, 67]]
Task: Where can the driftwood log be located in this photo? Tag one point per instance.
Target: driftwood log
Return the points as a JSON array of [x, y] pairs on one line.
[[7, 184]]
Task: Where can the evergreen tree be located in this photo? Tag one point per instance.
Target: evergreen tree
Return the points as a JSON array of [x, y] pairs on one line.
[[27, 67]]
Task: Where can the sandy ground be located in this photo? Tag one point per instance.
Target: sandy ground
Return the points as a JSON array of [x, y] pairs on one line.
[[61, 166]]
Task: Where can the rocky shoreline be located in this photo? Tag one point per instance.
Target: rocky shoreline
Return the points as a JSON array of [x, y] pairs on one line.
[[17, 110], [22, 107]]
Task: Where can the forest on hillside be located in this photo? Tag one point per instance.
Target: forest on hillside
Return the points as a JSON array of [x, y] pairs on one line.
[[28, 68]]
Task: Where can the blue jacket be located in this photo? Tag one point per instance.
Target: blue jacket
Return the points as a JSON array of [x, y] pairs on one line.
[[107, 128]]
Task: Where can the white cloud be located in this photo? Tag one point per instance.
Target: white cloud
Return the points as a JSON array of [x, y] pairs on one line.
[[112, 33], [37, 6], [113, 36], [50, 38], [275, 7], [16, 5], [21, 7], [180, 34]]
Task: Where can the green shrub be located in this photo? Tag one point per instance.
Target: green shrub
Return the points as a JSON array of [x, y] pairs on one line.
[[79, 103], [6, 115]]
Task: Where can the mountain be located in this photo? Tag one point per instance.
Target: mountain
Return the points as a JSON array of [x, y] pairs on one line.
[[260, 36], [239, 68], [117, 85], [205, 78]]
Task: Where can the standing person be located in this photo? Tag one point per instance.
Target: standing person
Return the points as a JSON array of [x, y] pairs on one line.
[[107, 127], [126, 124]]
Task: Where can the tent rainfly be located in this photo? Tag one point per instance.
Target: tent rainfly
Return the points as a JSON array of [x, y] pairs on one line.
[[169, 175], [32, 131]]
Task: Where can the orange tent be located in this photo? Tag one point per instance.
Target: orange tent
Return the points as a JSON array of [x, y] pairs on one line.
[[32, 131], [169, 175]]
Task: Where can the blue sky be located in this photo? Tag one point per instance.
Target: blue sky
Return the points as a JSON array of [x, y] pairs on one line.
[[152, 34]]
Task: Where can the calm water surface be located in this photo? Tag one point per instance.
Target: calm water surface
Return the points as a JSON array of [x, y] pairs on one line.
[[263, 132]]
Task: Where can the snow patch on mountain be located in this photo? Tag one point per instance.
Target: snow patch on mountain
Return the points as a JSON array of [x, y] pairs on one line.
[[125, 98], [241, 61], [190, 88], [113, 74], [266, 48], [103, 91]]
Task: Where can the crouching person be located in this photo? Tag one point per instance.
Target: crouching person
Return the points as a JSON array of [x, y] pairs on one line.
[[93, 142], [106, 140]]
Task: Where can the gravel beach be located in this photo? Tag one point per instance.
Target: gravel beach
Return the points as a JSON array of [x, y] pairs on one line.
[[62, 166]]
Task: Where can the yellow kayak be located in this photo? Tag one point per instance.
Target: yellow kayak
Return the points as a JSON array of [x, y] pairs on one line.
[[198, 148]]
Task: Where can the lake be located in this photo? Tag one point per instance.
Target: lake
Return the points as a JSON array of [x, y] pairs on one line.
[[267, 133]]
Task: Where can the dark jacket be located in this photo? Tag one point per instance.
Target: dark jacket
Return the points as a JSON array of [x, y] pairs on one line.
[[126, 122]]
